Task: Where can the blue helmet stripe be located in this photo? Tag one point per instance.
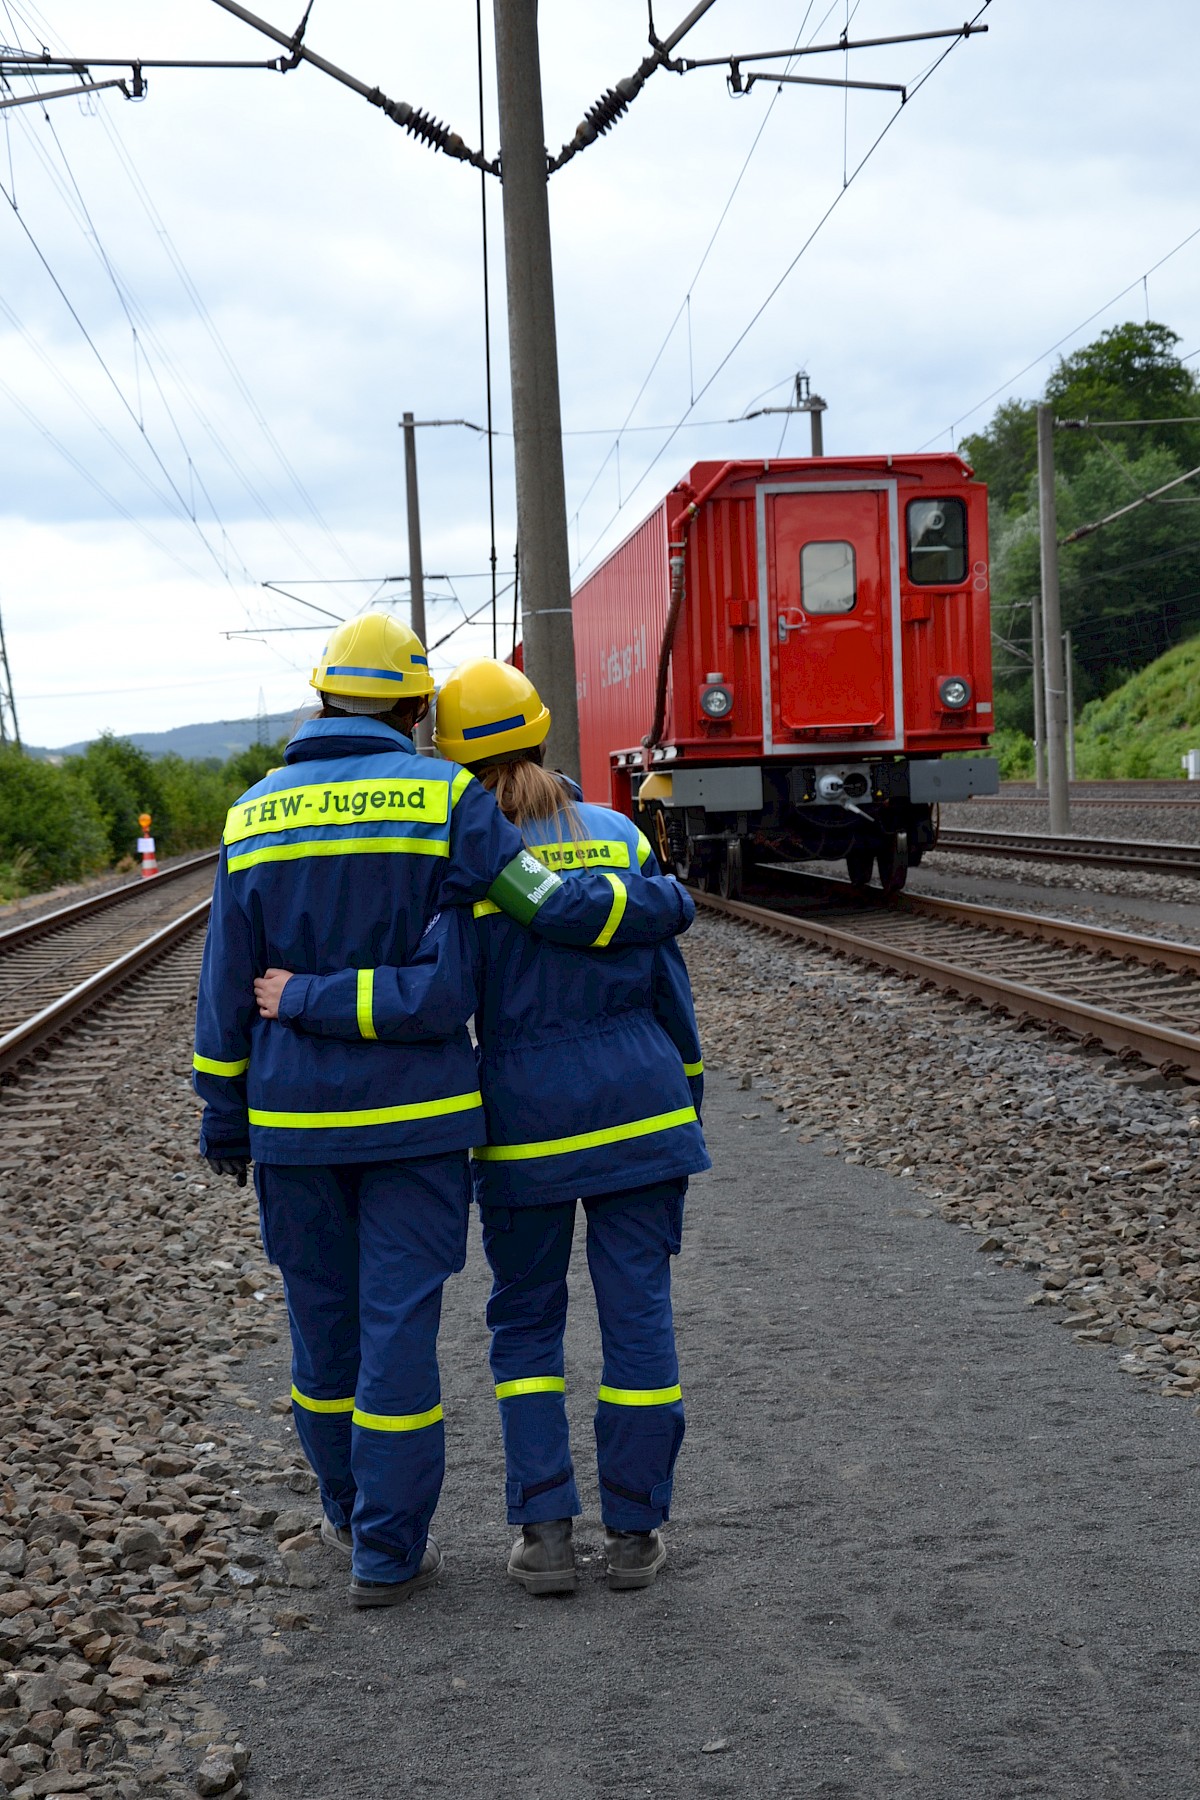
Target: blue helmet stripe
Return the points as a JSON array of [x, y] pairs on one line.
[[375, 674], [478, 731], [423, 660]]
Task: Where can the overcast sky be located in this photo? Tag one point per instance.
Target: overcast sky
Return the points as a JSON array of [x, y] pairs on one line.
[[270, 272]]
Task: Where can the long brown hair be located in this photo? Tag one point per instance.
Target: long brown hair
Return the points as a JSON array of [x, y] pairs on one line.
[[526, 792]]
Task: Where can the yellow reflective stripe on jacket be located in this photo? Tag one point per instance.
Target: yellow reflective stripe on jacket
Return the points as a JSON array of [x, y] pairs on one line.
[[371, 1115], [208, 1065], [338, 803], [397, 1421], [616, 912], [531, 1384], [584, 853], [640, 1396], [586, 1140], [483, 909], [643, 847], [696, 1068], [321, 1406], [347, 846], [365, 995], [460, 784]]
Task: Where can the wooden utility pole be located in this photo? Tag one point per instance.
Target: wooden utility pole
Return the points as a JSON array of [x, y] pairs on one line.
[[416, 570], [548, 635], [1052, 643]]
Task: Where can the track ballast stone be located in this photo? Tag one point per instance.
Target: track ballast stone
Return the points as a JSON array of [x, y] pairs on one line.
[[1072, 1165], [134, 1285]]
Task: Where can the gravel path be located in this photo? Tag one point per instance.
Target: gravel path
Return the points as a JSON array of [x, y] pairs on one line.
[[925, 1545]]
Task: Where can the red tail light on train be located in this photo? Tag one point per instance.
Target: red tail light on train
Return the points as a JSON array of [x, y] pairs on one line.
[[776, 663]]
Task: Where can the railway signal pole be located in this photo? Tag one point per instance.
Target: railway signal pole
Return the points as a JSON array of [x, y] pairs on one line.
[[1052, 638]]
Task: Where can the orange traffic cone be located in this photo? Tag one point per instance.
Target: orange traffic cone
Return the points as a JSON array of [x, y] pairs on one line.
[[149, 866]]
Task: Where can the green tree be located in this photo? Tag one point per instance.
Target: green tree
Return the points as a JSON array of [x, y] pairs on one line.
[[125, 783], [50, 825]]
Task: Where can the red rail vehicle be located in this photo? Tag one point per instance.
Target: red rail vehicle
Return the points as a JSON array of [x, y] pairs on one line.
[[775, 664]]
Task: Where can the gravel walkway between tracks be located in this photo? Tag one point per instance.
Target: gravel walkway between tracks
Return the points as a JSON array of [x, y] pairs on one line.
[[924, 1545]]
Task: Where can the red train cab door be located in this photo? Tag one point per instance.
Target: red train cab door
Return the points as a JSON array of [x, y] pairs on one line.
[[832, 615]]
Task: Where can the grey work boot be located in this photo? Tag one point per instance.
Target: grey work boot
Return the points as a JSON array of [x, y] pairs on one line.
[[634, 1557], [337, 1537], [543, 1558], [394, 1593]]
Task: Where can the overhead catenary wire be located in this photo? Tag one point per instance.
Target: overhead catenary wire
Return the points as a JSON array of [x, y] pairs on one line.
[[761, 309], [949, 430], [143, 331]]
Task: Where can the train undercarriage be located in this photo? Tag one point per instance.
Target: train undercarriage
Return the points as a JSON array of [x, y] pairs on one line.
[[712, 826]]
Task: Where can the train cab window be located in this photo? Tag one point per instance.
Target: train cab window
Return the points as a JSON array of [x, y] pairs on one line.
[[937, 541], [827, 581]]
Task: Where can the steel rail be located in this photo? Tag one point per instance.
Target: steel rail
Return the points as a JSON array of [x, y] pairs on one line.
[[1117, 853], [37, 1030], [29, 929], [1161, 1045]]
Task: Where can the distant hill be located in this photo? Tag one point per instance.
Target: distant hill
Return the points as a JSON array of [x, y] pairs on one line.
[[220, 738], [1143, 727]]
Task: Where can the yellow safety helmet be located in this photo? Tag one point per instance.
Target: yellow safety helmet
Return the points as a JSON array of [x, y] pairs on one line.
[[485, 709], [372, 662]]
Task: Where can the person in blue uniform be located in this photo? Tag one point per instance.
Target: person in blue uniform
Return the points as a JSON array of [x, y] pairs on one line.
[[592, 1080], [342, 859]]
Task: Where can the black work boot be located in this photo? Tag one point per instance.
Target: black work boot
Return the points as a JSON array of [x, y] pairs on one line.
[[634, 1557], [395, 1593], [543, 1558]]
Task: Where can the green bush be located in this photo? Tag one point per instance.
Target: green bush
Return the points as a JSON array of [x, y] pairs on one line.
[[51, 828], [124, 782]]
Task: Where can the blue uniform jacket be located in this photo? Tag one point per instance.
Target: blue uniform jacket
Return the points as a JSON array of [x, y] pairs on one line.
[[338, 861], [589, 1062]]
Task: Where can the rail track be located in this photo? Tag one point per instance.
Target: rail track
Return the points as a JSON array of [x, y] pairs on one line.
[[1130, 993], [1115, 853], [57, 970]]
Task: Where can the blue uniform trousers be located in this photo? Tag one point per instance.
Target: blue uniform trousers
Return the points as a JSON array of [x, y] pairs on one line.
[[631, 1238], [364, 1249]]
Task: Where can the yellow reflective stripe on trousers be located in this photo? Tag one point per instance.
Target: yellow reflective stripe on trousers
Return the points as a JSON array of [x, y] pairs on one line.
[[458, 787], [208, 1065], [371, 1115], [366, 993], [696, 1068], [321, 1406], [397, 1421], [640, 1396], [483, 909], [531, 1384], [358, 846], [585, 1140], [616, 912]]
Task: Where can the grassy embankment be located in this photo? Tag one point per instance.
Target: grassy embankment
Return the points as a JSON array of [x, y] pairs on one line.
[[1140, 730]]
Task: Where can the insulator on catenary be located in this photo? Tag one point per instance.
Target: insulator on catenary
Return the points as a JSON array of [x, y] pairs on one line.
[[428, 129]]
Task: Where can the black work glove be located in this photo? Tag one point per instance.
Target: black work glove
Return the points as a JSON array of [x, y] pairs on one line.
[[229, 1165]]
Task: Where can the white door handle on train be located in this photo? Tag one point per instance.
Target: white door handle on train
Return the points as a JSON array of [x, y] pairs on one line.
[[789, 622]]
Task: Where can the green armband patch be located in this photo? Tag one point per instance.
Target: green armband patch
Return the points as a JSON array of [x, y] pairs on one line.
[[523, 886]]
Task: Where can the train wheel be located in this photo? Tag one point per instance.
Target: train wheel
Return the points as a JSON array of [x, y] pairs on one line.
[[893, 863], [859, 863], [729, 871]]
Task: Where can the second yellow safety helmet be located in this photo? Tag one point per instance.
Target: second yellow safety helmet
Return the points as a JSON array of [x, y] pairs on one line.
[[485, 709], [372, 662]]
